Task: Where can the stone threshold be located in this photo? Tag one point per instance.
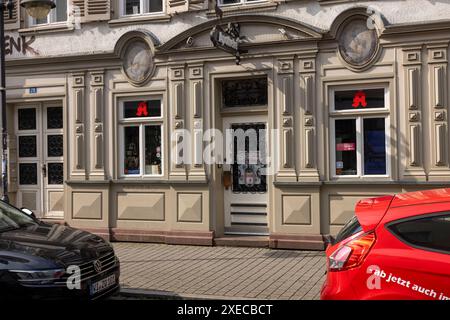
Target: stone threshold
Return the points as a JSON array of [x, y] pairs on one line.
[[242, 241]]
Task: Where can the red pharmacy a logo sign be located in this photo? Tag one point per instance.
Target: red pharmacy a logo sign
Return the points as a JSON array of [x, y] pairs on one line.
[[359, 99], [142, 109]]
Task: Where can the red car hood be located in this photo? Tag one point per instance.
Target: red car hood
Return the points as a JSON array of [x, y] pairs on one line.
[[370, 211]]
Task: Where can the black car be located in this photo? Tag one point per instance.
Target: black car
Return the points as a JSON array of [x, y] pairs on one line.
[[39, 260]]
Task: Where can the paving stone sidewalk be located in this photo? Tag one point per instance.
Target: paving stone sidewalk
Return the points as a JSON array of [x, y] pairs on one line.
[[221, 271]]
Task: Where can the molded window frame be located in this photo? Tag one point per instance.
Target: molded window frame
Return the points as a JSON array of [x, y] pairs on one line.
[[359, 115], [143, 9], [141, 123]]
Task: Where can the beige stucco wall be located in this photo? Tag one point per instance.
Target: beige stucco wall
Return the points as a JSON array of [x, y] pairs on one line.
[[304, 198]]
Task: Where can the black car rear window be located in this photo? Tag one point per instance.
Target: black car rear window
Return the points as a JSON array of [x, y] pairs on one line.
[[429, 233], [351, 227]]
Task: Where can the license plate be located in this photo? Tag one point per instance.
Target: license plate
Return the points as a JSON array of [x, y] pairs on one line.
[[103, 284]]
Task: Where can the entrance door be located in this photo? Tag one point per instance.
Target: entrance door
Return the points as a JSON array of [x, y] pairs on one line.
[[246, 200], [40, 145]]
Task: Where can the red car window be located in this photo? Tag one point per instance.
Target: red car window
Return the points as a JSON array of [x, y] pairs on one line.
[[430, 233]]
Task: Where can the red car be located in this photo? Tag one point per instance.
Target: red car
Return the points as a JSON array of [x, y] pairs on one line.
[[396, 247]]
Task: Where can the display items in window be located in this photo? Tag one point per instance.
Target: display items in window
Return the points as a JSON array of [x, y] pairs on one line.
[[365, 136], [131, 150], [346, 161], [150, 149], [153, 150]]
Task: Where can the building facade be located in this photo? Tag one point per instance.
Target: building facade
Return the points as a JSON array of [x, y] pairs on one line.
[[105, 97]]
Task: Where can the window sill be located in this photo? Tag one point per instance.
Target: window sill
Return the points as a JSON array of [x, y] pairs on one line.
[[47, 28], [375, 181], [240, 110], [244, 8], [161, 181], [140, 19]]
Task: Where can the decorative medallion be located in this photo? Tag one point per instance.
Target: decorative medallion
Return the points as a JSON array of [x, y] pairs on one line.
[[358, 45], [138, 62]]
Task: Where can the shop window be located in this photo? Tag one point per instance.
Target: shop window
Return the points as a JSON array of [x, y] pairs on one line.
[[141, 129], [137, 7], [360, 137], [244, 92], [58, 14], [346, 162]]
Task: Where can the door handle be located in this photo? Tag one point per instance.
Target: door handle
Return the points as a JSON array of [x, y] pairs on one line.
[[44, 170]]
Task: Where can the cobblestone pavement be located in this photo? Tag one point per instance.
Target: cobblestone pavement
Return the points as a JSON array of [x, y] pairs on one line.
[[222, 271]]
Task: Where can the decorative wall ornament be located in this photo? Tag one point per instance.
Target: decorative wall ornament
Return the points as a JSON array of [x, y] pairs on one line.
[[136, 50], [358, 45], [138, 62]]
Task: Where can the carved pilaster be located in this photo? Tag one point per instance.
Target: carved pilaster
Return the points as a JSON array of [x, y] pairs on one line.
[[307, 121], [414, 161], [179, 152], [196, 112], [438, 117], [286, 115], [96, 123], [78, 123]]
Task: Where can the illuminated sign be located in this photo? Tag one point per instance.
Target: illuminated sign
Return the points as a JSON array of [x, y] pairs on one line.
[[359, 99], [142, 110]]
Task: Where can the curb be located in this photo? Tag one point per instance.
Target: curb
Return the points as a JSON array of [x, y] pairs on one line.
[[169, 295]]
